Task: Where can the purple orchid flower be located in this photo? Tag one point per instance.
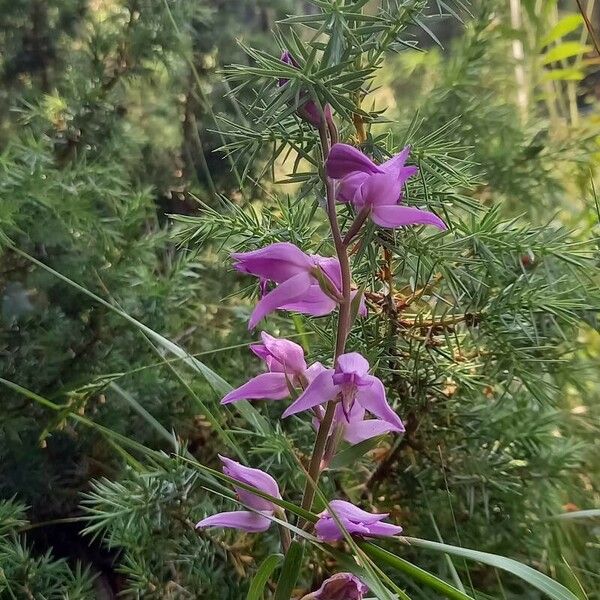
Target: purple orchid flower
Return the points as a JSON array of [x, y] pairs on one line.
[[350, 380], [357, 428], [355, 520], [376, 188], [295, 273], [341, 586], [287, 369], [309, 109], [253, 521]]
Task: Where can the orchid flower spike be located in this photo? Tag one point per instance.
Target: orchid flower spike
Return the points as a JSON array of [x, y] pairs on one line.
[[287, 369], [350, 380], [355, 520], [341, 586], [308, 110], [376, 188], [306, 283], [253, 521]]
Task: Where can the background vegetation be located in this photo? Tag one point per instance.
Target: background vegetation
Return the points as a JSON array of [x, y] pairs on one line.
[[128, 165]]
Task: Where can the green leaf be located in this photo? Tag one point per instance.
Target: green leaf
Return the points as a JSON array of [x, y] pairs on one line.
[[565, 26], [355, 304], [563, 75], [564, 50], [569, 577], [262, 576], [534, 578], [414, 572], [352, 453], [292, 566]]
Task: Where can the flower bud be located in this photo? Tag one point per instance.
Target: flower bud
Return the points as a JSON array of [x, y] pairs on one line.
[[308, 110], [341, 586]]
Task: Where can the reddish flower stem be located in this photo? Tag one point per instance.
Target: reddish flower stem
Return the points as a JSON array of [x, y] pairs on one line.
[[343, 326]]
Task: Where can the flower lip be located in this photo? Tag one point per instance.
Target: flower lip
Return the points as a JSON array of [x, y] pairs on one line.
[[351, 381]]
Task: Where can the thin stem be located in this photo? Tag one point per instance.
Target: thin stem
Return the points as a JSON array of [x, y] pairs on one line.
[[314, 467], [284, 534], [343, 328], [332, 443], [340, 250], [360, 218], [589, 26], [333, 132]]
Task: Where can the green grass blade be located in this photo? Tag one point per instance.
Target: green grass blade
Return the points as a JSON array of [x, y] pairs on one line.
[[591, 513], [348, 456], [213, 420], [292, 565], [414, 572], [154, 423], [534, 578], [259, 581]]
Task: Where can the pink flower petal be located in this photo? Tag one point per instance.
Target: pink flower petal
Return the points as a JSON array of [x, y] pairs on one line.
[[347, 510], [327, 529], [311, 113], [359, 431], [341, 586], [379, 189], [355, 414], [319, 391], [314, 370], [347, 186], [240, 519], [285, 352], [396, 166], [352, 362], [331, 268], [276, 262], [314, 302], [254, 477], [266, 386], [373, 399], [401, 216], [384, 529], [344, 159], [291, 290]]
